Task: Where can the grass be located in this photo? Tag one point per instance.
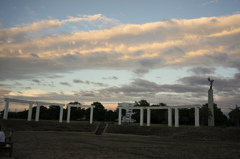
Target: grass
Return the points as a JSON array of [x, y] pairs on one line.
[[143, 142]]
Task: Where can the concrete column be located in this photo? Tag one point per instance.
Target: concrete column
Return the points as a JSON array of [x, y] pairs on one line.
[[30, 112], [169, 117], [68, 113], [148, 117], [196, 116], [176, 117], [141, 117], [5, 115], [37, 112], [61, 113], [211, 120], [91, 115], [119, 115]]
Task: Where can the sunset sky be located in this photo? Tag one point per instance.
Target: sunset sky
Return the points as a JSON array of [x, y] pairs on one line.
[[120, 51]]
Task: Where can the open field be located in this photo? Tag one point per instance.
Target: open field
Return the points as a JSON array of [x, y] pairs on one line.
[[49, 144]]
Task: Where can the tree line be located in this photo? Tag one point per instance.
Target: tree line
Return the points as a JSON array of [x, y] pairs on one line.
[[186, 116]]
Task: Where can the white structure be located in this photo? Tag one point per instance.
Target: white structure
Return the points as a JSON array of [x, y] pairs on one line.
[[7, 100], [169, 108], [75, 105], [128, 117], [211, 120]]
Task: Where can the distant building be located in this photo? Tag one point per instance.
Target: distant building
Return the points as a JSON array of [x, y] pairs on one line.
[[128, 117]]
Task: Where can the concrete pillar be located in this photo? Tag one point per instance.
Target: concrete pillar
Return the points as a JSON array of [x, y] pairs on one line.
[[30, 112], [196, 116], [211, 120], [91, 115], [61, 114], [119, 115], [176, 117], [68, 113], [169, 117], [141, 117], [148, 117], [5, 115], [37, 112]]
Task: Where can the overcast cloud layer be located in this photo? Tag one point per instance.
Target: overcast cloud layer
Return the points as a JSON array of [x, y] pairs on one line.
[[202, 44]]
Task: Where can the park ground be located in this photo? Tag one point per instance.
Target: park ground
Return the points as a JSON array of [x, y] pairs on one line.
[[50, 140]]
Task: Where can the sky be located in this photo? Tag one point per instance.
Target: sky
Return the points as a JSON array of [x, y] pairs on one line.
[[120, 51]]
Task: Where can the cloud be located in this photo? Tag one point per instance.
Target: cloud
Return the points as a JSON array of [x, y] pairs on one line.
[[110, 78], [77, 81], [65, 84], [18, 33], [4, 92], [36, 81], [209, 2], [188, 90], [93, 19], [54, 76], [34, 55], [88, 83], [223, 86], [202, 70], [175, 43]]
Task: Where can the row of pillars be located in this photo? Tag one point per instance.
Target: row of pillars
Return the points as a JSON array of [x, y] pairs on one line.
[[5, 116], [169, 116]]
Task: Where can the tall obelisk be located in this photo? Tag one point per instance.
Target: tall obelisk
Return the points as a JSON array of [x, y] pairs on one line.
[[211, 121]]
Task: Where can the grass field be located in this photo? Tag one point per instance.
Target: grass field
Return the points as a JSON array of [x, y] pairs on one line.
[[51, 144]]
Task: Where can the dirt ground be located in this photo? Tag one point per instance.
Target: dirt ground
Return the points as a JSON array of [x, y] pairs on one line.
[[80, 145]]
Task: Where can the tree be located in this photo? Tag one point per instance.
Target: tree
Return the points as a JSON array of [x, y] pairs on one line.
[[159, 115], [234, 116], [186, 116], [53, 112], [220, 118], [111, 115], [99, 112], [142, 103], [76, 112], [136, 115], [205, 113]]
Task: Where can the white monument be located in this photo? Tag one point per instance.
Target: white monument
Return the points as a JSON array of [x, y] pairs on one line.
[[211, 121], [169, 108]]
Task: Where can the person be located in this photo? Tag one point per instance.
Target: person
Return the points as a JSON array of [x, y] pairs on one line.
[[2, 135]]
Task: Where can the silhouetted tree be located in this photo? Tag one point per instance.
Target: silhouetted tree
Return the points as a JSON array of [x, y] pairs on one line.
[[204, 114], [219, 117], [159, 115], [76, 112], [99, 112], [234, 116]]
